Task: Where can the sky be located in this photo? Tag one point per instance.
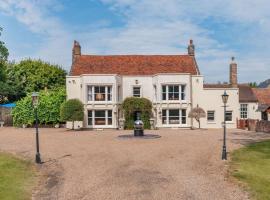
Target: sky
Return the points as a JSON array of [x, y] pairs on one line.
[[220, 29]]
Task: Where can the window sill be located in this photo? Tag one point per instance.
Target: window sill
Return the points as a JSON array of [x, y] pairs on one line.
[[211, 122]]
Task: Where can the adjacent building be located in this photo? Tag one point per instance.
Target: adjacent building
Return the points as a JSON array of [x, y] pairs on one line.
[[173, 83]]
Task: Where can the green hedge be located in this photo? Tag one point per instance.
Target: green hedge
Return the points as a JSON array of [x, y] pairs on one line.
[[72, 110], [48, 108], [132, 104]]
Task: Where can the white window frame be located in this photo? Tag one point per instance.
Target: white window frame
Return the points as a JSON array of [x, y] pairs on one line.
[[140, 91], [168, 117], [106, 118], [243, 111], [181, 92], [214, 117], [90, 93]]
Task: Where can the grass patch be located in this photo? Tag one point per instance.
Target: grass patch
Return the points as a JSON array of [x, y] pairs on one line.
[[251, 165], [17, 178]]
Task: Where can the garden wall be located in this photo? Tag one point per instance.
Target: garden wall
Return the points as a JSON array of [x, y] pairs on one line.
[[263, 126]]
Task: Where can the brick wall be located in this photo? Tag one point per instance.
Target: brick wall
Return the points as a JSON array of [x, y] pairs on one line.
[[263, 126]]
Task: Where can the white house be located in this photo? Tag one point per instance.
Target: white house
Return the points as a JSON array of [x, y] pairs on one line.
[[172, 83]]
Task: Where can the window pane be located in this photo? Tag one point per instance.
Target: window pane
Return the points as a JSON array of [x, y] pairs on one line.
[[100, 113], [96, 89], [173, 112], [174, 117], [163, 96], [176, 88], [90, 117], [183, 95], [102, 89], [109, 117], [164, 117], [164, 88], [184, 116], [170, 88], [243, 111], [109, 93], [89, 93]]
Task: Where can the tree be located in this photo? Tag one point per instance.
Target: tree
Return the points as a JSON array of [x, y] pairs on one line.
[[253, 84], [48, 108], [3, 49], [34, 75], [72, 110], [197, 113], [4, 88]]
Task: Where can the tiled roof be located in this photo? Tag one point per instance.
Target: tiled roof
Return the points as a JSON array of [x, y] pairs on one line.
[[262, 94], [208, 85], [134, 64], [246, 94]]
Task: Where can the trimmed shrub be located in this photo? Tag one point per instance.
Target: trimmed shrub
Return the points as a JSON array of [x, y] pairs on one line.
[[72, 110], [48, 108], [133, 104]]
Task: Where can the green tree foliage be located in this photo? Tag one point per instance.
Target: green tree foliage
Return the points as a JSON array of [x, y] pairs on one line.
[[253, 84], [3, 49], [134, 104], [4, 88], [35, 75], [48, 108], [72, 110]]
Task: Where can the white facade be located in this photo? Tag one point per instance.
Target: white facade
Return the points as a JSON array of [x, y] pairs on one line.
[[105, 113]]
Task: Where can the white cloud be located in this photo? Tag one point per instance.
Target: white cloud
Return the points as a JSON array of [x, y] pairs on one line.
[[159, 27]]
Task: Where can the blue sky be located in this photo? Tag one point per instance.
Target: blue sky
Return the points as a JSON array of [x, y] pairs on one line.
[[220, 29]]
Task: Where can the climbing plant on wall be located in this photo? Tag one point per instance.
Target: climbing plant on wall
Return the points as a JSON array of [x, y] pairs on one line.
[[133, 104]]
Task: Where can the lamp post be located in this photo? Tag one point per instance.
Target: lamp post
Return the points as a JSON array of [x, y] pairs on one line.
[[35, 105], [225, 97]]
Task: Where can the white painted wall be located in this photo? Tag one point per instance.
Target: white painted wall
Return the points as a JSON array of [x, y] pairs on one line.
[[210, 99]]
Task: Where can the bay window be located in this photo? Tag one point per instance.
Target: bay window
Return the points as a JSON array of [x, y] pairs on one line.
[[99, 117], [99, 93], [174, 116], [173, 92]]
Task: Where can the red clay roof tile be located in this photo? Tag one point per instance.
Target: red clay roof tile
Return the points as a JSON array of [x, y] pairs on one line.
[[134, 64], [262, 94]]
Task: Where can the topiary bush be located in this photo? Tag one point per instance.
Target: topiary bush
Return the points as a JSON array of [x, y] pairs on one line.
[[72, 110], [48, 108], [132, 104]]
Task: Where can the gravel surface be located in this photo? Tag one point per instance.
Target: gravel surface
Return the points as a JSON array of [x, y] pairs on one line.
[[99, 165]]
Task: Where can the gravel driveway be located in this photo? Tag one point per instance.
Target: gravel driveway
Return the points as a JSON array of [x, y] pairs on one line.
[[98, 165]]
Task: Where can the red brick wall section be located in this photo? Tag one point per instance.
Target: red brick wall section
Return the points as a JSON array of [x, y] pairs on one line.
[[263, 126]]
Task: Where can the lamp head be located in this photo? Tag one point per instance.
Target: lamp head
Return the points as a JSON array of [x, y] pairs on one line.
[[35, 99], [225, 97]]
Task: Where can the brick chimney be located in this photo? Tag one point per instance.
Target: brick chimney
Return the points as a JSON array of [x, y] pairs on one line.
[[233, 73], [76, 51], [191, 48]]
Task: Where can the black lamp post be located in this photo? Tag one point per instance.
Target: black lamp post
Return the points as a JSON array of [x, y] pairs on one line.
[[225, 97], [35, 105]]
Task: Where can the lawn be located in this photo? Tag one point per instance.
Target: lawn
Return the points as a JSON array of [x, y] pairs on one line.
[[17, 178], [251, 165]]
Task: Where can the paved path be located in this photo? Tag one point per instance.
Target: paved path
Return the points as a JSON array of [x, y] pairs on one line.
[[181, 164]]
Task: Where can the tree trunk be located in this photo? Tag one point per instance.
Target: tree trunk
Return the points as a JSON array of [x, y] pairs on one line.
[[72, 125]]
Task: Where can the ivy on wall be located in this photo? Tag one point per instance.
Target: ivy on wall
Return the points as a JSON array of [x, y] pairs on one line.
[[48, 108], [133, 104]]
